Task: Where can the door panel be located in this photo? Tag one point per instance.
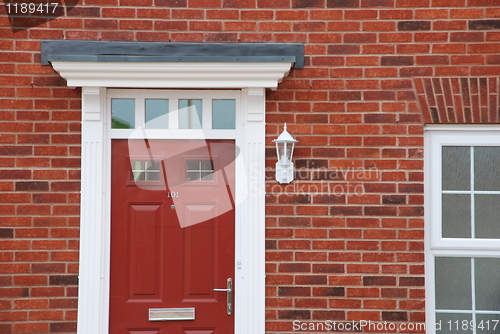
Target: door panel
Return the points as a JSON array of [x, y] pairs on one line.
[[195, 212], [172, 237], [144, 245], [200, 250]]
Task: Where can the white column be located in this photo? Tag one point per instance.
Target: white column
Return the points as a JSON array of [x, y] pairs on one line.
[[93, 292], [250, 286]]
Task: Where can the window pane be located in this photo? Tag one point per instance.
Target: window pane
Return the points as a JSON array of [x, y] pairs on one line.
[[453, 283], [487, 214], [453, 323], [207, 176], [192, 165], [487, 284], [456, 216], [486, 168], [190, 112], [199, 170], [145, 170], [122, 113], [456, 168], [207, 165], [488, 323], [223, 114], [137, 168], [156, 114]]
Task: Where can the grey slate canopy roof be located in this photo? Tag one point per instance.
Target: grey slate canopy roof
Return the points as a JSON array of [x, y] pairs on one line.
[[97, 51]]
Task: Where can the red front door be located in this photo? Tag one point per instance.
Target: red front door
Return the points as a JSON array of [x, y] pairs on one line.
[[172, 236]]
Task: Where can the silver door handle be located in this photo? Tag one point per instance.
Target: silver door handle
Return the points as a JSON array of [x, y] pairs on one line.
[[229, 291]]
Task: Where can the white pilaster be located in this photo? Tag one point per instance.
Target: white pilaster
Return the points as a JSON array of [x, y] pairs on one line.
[[93, 293], [250, 287]]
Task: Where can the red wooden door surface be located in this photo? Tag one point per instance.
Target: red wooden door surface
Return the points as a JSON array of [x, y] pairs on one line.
[[172, 235]]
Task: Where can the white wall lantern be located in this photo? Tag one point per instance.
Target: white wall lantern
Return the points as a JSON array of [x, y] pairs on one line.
[[284, 150]]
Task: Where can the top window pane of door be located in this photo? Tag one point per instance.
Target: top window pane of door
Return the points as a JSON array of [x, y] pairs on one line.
[[486, 168], [156, 114], [223, 114], [456, 168], [190, 112], [123, 113]]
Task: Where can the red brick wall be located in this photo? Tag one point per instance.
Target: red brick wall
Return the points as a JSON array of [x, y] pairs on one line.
[[345, 241]]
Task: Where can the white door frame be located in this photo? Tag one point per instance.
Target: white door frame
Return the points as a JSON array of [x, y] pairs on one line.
[[252, 79]]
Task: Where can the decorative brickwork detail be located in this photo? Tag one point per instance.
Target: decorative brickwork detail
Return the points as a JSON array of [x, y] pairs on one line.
[[459, 100]]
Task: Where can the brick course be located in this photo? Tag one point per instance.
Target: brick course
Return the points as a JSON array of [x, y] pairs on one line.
[[345, 240]]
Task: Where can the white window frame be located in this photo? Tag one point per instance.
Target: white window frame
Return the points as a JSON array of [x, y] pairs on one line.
[[250, 79], [173, 96], [437, 136]]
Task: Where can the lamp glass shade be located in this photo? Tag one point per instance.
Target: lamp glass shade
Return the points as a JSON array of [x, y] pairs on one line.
[[284, 151], [284, 146]]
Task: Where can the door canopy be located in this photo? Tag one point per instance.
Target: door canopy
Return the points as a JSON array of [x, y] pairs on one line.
[[172, 65]]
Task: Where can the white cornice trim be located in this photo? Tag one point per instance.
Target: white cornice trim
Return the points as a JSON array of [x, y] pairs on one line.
[[172, 75]]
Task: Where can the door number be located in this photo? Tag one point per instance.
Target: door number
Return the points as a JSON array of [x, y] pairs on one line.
[[173, 194]]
